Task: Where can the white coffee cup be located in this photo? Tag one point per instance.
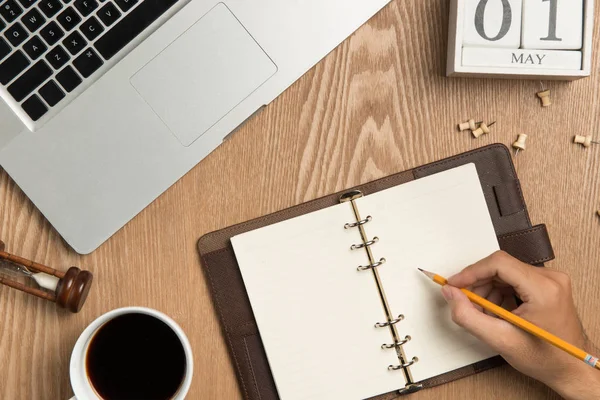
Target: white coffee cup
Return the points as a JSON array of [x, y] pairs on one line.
[[82, 387]]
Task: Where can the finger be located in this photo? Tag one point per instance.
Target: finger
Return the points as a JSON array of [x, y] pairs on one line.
[[495, 281], [483, 282], [507, 290], [495, 296], [496, 333], [482, 291], [510, 303], [503, 267]]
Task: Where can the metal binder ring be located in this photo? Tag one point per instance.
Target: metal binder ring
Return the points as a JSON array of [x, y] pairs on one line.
[[406, 339], [393, 322], [371, 266], [405, 365], [359, 223], [366, 244]]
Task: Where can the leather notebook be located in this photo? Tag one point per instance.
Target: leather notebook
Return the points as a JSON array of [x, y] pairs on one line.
[[492, 175]]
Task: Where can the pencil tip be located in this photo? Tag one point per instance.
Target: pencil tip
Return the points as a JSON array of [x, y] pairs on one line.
[[427, 273]]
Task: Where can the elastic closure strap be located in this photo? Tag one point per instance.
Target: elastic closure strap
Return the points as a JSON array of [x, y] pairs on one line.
[[532, 246]]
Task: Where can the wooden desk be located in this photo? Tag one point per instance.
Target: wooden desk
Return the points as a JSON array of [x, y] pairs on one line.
[[379, 104]]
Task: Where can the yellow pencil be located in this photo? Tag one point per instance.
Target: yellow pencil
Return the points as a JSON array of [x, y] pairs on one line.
[[521, 323]]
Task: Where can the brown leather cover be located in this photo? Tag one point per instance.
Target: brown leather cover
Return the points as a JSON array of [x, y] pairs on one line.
[[511, 222]]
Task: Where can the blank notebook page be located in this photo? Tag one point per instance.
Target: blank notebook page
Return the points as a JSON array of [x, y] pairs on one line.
[[316, 312]]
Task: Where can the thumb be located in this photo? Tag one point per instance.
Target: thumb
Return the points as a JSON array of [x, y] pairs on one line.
[[496, 333]]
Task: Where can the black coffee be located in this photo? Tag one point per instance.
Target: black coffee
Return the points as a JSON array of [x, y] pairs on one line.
[[136, 357]]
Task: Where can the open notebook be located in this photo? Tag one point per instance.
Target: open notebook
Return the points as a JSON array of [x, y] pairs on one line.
[[316, 312]]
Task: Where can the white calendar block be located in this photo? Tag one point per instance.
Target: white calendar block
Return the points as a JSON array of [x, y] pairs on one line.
[[463, 61], [552, 24], [493, 23], [520, 58]]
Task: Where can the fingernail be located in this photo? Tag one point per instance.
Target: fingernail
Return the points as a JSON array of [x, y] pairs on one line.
[[447, 293]]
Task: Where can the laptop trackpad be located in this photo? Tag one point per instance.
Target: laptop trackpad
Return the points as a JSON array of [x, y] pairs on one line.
[[203, 74]]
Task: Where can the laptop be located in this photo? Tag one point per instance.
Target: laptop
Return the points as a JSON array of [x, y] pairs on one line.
[[107, 103]]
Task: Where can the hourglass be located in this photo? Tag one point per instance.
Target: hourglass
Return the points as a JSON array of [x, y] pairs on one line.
[[67, 289]]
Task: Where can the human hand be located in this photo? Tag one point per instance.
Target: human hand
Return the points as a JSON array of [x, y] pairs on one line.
[[547, 302]]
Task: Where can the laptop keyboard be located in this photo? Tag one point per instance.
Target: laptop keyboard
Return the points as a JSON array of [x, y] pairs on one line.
[[48, 48]]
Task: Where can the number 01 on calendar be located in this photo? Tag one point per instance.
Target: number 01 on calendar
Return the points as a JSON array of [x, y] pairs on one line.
[[536, 39]]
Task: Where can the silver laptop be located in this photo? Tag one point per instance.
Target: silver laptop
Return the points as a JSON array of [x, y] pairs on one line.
[[107, 103]]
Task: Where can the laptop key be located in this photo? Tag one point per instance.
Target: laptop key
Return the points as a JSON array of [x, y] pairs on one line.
[[91, 28], [10, 10], [35, 47], [126, 5], [16, 34], [50, 7], [86, 7], [2, 25], [57, 57], [12, 67], [51, 93], [109, 14], [68, 79], [69, 19], [74, 43], [34, 107], [88, 63], [33, 20], [27, 3], [30, 80], [4, 49], [52, 33], [131, 26]]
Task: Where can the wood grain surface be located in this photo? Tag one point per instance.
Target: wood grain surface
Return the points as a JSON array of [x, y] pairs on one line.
[[377, 105]]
